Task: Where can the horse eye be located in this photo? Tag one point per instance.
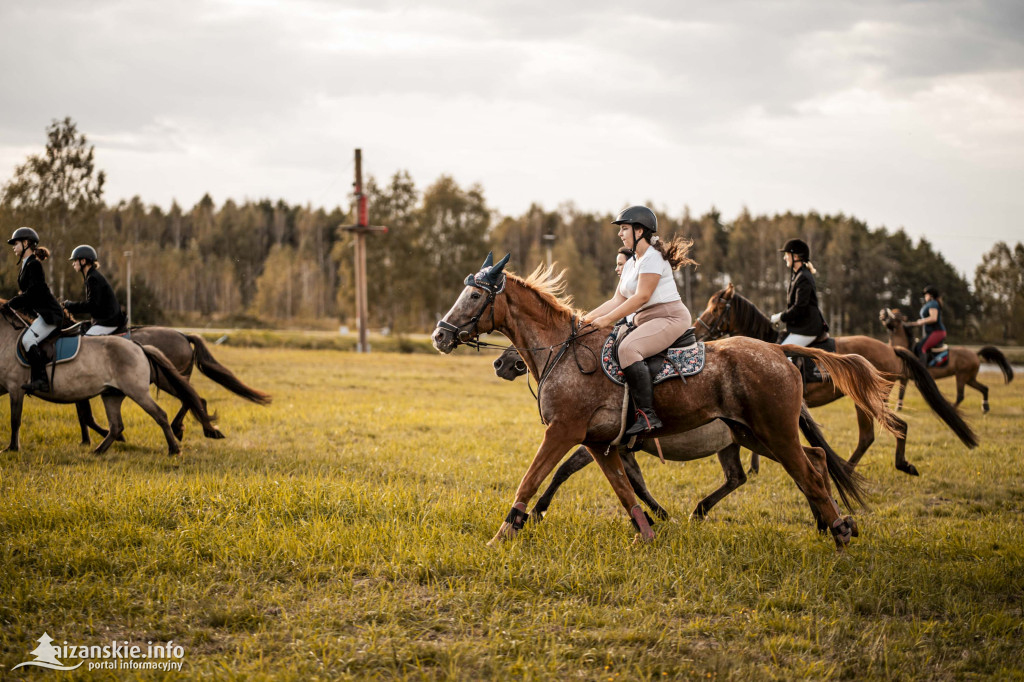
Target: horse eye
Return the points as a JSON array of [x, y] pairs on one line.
[[474, 296]]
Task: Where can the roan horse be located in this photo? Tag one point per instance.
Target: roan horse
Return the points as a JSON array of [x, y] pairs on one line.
[[185, 351], [704, 441], [747, 383], [107, 366], [964, 364], [729, 314]]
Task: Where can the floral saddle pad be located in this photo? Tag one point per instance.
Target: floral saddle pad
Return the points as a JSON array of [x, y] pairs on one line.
[[674, 362]]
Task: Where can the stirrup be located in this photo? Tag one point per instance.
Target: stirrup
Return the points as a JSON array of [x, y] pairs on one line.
[[643, 423]]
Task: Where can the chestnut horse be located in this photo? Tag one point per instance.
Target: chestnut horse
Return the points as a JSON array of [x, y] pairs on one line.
[[714, 438], [185, 351], [729, 314], [747, 383], [964, 364]]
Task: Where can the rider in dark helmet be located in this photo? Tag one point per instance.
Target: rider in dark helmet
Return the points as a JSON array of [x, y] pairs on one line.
[[803, 318], [931, 320], [647, 288], [35, 295], [100, 301]]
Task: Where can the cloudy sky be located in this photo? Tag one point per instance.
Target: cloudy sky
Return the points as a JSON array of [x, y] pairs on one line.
[[904, 114]]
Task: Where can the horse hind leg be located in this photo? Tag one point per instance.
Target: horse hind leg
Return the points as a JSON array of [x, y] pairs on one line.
[[17, 400], [112, 406], [865, 436], [729, 458], [813, 485], [178, 423], [150, 406], [977, 385]]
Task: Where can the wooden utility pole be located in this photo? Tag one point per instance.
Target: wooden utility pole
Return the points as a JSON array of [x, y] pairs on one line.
[[360, 230]]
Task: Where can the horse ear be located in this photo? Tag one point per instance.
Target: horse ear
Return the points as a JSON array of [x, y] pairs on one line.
[[500, 265], [489, 261], [729, 291]]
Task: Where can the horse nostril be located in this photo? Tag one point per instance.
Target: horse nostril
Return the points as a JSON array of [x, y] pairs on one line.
[[520, 366], [497, 364]]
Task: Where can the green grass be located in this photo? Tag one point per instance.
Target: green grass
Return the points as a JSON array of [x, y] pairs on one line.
[[340, 534]]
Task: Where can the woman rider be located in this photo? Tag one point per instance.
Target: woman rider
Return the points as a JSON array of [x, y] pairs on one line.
[[931, 320], [34, 295], [803, 318], [100, 301], [647, 288]]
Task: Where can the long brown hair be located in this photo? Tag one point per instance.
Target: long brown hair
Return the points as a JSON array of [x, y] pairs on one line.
[[41, 252], [676, 252]]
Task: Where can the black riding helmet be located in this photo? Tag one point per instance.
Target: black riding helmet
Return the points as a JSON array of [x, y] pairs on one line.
[[84, 251], [638, 215], [797, 247], [24, 233]]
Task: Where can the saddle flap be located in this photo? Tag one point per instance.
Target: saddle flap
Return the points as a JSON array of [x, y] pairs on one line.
[[688, 339]]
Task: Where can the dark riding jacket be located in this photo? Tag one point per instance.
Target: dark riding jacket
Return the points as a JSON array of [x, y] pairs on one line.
[[802, 316], [100, 302], [35, 293]]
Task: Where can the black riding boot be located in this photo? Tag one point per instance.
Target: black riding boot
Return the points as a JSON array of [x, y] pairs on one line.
[[39, 382], [639, 379]]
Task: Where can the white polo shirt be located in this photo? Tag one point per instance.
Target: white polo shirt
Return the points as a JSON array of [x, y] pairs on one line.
[[652, 262]]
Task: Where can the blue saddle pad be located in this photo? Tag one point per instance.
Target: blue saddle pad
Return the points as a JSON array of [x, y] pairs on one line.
[[67, 349], [938, 359], [678, 362]]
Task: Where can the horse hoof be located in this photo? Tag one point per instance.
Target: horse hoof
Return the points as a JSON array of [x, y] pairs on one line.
[[215, 434], [908, 468], [984, 407], [178, 433], [639, 540], [120, 438], [855, 531], [842, 531]]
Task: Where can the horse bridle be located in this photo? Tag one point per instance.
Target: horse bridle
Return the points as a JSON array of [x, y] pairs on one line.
[[714, 331], [471, 336]]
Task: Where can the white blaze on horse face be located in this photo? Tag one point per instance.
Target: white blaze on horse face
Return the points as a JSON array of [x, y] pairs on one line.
[[460, 314]]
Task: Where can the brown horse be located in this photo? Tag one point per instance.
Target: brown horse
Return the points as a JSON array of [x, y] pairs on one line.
[[747, 383], [964, 364], [711, 439], [107, 366], [185, 351], [729, 314]]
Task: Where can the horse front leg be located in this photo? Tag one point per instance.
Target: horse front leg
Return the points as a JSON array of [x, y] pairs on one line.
[[86, 421], [732, 467], [636, 479], [903, 392], [576, 461], [611, 465], [865, 436], [17, 402], [557, 440]]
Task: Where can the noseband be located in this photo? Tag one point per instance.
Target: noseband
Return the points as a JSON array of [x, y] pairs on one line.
[[715, 331]]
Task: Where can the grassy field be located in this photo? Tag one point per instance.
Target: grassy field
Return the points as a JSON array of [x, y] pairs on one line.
[[340, 534]]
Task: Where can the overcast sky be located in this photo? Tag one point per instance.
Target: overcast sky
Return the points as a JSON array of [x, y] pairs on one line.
[[904, 114]]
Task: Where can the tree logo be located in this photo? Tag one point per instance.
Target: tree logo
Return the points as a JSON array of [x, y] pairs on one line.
[[46, 656]]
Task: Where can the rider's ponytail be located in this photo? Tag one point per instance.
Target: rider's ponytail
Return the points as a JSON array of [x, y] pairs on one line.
[[676, 252], [42, 253], [810, 266]]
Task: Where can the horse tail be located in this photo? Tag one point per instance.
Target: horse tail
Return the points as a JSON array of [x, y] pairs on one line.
[[848, 482], [857, 378], [182, 389], [947, 412], [993, 354], [209, 366]]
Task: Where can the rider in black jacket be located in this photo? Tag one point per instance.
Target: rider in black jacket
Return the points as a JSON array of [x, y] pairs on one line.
[[34, 295], [803, 318], [100, 301]]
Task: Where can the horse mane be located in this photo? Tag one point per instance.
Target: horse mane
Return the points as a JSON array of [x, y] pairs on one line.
[[750, 321], [549, 287]]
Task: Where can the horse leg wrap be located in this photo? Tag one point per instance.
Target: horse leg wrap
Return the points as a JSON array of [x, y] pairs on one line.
[[641, 521], [517, 517], [842, 531]]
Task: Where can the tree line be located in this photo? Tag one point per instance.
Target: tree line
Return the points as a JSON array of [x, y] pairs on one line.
[[270, 263]]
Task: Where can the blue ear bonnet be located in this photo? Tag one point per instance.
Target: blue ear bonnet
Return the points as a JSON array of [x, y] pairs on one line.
[[491, 277]]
